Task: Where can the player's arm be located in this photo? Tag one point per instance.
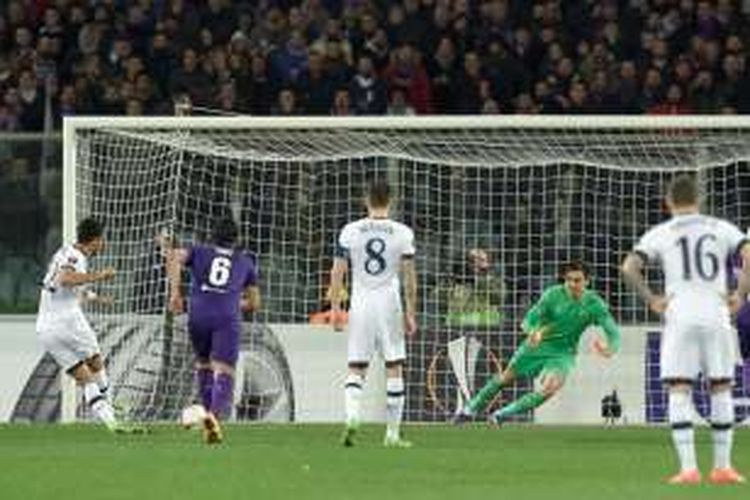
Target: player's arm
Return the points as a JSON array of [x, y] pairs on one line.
[[176, 258], [632, 273], [743, 280], [338, 275], [91, 297], [409, 274], [68, 277], [251, 299], [611, 329], [532, 323], [338, 272]]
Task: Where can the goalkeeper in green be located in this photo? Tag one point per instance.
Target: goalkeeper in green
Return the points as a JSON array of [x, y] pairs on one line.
[[554, 326]]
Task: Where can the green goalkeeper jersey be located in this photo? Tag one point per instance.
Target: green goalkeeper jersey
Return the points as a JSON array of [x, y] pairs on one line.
[[567, 318]]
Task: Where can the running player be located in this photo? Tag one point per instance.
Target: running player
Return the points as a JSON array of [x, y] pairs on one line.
[[224, 283]]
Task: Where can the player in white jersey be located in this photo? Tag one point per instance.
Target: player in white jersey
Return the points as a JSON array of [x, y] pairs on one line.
[[376, 249], [62, 327], [693, 251]]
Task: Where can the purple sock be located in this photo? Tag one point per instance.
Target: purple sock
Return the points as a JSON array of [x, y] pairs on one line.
[[205, 379], [221, 397]]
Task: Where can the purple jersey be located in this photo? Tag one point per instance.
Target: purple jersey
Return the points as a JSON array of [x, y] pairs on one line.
[[219, 276]]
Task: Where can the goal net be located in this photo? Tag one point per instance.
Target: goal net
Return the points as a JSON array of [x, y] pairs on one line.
[[497, 204]]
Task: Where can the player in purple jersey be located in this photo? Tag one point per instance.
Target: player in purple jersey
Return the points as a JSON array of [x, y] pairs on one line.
[[223, 285], [743, 311]]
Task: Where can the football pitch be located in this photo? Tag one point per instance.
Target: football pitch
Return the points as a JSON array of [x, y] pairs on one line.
[[84, 462]]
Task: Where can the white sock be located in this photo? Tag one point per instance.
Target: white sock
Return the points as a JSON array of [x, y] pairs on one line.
[[352, 398], [102, 381], [99, 405], [722, 419], [681, 418], [394, 407]]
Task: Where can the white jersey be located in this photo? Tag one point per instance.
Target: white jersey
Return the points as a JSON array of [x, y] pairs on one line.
[[57, 301], [375, 248], [693, 251]]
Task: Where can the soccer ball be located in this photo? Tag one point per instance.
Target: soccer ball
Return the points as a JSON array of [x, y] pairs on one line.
[[192, 415]]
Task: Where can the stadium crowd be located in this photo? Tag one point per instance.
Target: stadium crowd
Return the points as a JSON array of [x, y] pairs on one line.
[[340, 57]]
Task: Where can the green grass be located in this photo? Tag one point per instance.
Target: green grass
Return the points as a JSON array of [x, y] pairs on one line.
[[305, 462]]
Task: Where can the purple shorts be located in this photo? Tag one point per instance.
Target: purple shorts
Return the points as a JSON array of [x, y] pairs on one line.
[[215, 338], [743, 329]]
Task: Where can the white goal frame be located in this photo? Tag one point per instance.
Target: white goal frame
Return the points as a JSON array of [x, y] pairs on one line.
[[512, 122]]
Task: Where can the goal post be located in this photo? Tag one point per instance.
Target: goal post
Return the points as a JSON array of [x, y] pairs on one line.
[[497, 204]]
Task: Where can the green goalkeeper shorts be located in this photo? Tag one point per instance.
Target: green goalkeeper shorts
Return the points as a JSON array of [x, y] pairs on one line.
[[533, 361]]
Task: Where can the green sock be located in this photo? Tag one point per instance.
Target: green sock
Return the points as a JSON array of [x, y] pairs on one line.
[[527, 402], [484, 396]]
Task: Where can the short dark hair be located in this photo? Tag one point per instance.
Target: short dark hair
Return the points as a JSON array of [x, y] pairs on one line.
[[224, 231], [89, 229], [683, 190], [379, 193], [574, 265]]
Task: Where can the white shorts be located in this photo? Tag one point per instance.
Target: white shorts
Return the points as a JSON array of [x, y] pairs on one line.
[[69, 339], [376, 325], [688, 350]]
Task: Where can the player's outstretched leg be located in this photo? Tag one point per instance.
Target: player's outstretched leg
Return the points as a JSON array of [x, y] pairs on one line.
[[681, 420], [95, 400], [480, 401], [521, 405], [99, 374], [99, 405], [551, 383], [395, 407], [722, 420], [352, 402], [484, 397]]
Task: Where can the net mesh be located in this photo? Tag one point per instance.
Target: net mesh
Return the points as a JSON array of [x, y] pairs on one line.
[[495, 212]]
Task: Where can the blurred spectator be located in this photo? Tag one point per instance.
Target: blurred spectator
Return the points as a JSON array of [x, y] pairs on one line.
[[161, 61], [66, 104], [398, 105], [627, 88], [289, 61], [405, 71], [317, 86], [191, 79], [469, 99], [476, 298], [367, 90], [674, 104], [257, 91], [133, 107], [226, 99], [220, 19], [341, 103], [286, 104], [577, 101], [525, 105], [10, 109], [444, 74], [444, 56], [31, 100]]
